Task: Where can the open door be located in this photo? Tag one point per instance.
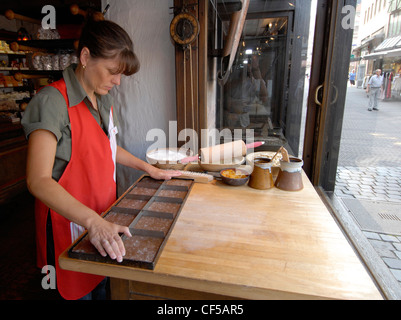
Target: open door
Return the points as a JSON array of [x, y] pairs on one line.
[[327, 92]]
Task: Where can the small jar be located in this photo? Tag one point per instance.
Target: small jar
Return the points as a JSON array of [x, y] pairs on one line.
[[46, 62], [261, 177], [37, 62], [64, 61], [56, 62], [290, 176]]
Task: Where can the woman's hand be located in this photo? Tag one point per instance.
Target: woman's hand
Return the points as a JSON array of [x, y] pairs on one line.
[[105, 237], [102, 234], [127, 159], [160, 174]]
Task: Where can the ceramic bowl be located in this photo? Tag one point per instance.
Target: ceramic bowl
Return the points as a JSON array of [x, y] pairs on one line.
[[167, 158], [232, 181]]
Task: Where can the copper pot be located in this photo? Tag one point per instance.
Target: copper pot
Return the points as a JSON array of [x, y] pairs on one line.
[[261, 177], [290, 176]]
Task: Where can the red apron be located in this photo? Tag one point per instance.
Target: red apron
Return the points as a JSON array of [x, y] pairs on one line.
[[90, 178]]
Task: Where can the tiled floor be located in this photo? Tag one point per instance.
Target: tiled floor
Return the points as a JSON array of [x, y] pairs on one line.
[[20, 279]]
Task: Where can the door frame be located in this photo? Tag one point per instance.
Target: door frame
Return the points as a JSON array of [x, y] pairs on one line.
[[326, 100]]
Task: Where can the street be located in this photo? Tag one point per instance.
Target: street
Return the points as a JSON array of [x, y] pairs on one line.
[[370, 138], [369, 174]]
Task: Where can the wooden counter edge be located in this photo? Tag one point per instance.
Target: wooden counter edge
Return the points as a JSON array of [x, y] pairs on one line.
[[148, 276]]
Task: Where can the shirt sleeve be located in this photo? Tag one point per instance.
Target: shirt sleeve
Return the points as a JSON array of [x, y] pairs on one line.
[[47, 110]]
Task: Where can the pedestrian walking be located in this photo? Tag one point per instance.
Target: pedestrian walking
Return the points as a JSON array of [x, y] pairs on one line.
[[375, 84], [352, 76]]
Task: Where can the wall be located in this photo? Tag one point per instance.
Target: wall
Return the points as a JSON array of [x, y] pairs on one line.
[[145, 100], [370, 25]]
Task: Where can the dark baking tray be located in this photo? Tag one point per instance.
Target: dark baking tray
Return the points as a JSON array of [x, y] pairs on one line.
[[150, 209]]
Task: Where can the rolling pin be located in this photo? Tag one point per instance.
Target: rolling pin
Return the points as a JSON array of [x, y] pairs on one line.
[[18, 47], [20, 76], [10, 15], [220, 152]]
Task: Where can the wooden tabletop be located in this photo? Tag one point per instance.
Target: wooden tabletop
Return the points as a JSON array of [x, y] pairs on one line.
[[254, 244]]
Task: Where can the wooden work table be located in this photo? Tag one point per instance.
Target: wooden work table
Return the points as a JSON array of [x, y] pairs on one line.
[[241, 242]]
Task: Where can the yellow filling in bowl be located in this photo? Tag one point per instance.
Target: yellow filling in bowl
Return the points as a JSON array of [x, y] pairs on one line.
[[232, 174]]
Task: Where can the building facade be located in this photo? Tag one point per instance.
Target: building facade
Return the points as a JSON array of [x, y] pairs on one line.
[[372, 29], [378, 44]]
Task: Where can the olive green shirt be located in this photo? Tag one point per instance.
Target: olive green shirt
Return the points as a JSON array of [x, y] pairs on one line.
[[48, 110]]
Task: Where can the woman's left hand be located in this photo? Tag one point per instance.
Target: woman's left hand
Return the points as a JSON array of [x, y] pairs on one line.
[[127, 159], [160, 174]]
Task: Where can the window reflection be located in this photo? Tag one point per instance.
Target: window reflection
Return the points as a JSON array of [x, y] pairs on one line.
[[253, 97], [245, 95], [266, 90]]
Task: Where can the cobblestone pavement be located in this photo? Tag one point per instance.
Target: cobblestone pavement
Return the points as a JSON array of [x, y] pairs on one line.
[[369, 183], [369, 166], [375, 184]]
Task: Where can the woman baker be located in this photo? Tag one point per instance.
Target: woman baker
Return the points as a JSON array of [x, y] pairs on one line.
[[72, 154]]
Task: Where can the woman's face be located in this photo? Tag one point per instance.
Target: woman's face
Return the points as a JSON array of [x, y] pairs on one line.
[[101, 74]]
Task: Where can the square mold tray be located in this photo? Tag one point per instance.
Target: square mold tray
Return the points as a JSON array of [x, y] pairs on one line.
[[150, 209]]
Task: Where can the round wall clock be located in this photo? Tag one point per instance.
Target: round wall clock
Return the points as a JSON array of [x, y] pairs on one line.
[[184, 29]]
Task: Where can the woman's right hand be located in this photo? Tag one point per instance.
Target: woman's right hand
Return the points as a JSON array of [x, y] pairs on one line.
[[102, 234], [105, 237]]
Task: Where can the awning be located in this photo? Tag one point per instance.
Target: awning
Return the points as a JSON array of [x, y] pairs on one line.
[[372, 40], [393, 53], [376, 55], [389, 43], [383, 54], [390, 47]]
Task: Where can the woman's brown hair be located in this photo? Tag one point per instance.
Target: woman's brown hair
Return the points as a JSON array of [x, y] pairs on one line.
[[106, 39]]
